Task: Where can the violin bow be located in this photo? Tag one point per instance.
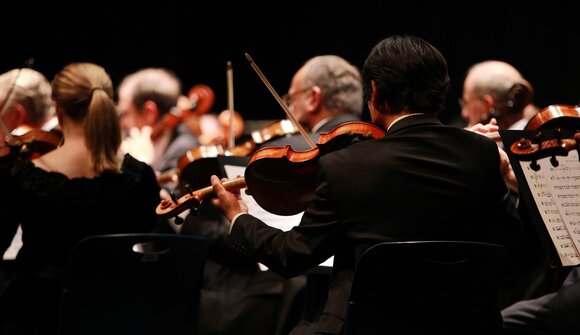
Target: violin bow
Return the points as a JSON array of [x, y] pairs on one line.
[[230, 78], [27, 63], [281, 102]]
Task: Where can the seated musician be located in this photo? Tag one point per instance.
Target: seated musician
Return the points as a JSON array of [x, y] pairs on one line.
[[495, 97], [26, 105], [79, 189], [423, 180], [143, 98], [324, 93]]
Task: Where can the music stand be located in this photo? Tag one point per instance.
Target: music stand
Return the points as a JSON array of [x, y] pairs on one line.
[[552, 195]]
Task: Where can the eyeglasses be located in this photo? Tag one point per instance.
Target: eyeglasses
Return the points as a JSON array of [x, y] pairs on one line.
[[287, 98]]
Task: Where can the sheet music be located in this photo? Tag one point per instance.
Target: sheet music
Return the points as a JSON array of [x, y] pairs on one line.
[[556, 191], [282, 222]]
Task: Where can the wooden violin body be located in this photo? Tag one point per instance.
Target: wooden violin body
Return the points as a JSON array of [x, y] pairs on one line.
[[292, 174], [34, 142], [555, 116], [198, 164]]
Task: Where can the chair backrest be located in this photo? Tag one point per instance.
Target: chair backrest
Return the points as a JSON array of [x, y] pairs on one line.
[[562, 317], [424, 287], [133, 284]]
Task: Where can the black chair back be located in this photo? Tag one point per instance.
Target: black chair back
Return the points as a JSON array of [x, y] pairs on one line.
[[133, 284], [426, 287], [564, 309]]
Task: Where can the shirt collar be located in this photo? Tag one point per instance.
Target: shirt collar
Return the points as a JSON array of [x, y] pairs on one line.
[[402, 117], [319, 124]]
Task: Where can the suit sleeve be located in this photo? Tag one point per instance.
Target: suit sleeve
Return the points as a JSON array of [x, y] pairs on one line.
[[299, 249]]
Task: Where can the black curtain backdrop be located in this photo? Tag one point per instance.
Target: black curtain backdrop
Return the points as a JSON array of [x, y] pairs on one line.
[[196, 40]]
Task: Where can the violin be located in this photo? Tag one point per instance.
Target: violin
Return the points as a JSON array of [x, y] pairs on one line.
[[33, 143], [290, 175], [215, 130], [229, 124], [271, 131], [199, 100], [213, 133], [537, 148], [196, 166], [555, 116]]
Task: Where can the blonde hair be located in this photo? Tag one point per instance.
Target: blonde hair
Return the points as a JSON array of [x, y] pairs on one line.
[[84, 91]]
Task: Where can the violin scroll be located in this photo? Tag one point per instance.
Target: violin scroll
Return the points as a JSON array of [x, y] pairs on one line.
[[199, 101], [533, 150], [169, 208], [202, 98]]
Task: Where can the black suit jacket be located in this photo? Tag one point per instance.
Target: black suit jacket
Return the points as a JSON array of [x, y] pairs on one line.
[[422, 181]]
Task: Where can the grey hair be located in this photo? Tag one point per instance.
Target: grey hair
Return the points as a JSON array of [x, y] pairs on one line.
[[157, 84], [339, 81], [496, 79], [29, 88]]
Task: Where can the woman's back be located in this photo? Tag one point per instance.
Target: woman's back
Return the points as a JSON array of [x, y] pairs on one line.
[[79, 189], [55, 213]]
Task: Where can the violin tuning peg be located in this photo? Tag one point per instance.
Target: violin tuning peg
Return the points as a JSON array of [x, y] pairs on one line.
[[173, 197], [188, 189], [194, 211], [535, 166], [554, 161], [538, 138], [558, 132], [178, 220]]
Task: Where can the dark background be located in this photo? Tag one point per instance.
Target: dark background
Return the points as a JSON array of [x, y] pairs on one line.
[[196, 39]]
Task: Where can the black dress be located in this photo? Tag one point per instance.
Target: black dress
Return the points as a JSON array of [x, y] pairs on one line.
[[55, 212]]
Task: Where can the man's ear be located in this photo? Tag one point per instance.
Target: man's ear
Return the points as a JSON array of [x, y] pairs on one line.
[[314, 99], [373, 101], [20, 115], [490, 106], [150, 113]]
